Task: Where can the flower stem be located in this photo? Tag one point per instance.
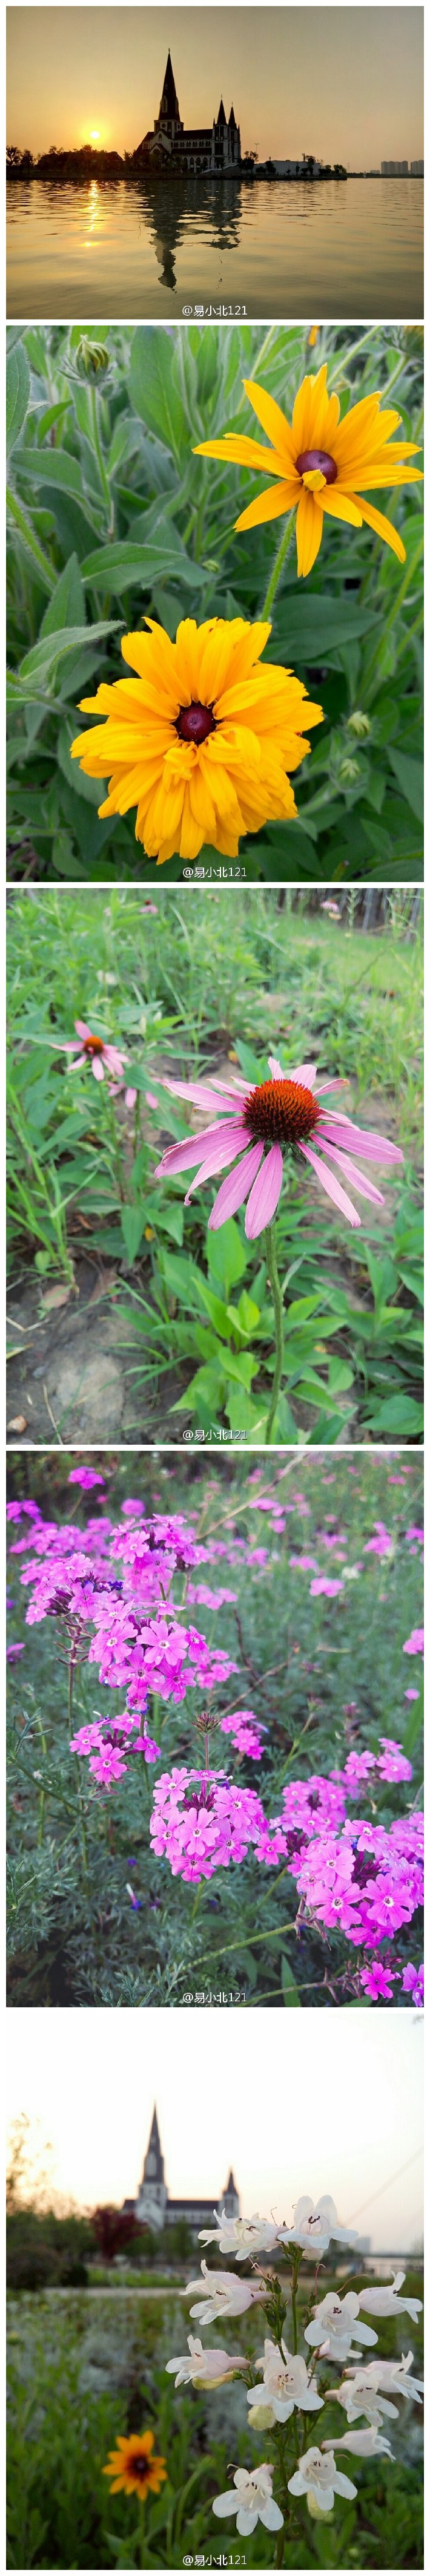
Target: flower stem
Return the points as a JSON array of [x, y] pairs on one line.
[[278, 566], [279, 1326], [142, 2555]]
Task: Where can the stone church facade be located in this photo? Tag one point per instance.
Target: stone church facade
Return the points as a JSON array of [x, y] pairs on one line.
[[153, 2205], [214, 148]]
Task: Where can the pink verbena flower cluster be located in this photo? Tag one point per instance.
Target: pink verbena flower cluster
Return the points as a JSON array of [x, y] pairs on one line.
[[201, 1821], [366, 1880]]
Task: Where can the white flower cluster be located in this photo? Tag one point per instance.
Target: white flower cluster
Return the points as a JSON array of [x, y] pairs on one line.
[[337, 2326]]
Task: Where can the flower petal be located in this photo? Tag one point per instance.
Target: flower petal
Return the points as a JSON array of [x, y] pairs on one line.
[[178, 1158], [219, 1158], [309, 528], [366, 1189], [332, 1186], [268, 505], [341, 1130], [383, 528], [264, 1194], [235, 1189]]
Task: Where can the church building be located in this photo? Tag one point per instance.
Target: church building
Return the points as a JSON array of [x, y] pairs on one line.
[[153, 2205], [213, 148]]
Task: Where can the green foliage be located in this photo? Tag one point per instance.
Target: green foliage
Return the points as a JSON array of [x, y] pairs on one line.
[[185, 989], [108, 505], [321, 1675]]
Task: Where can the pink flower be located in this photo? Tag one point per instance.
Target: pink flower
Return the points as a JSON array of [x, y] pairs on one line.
[[377, 1981], [84, 1476], [392, 1763], [93, 1051], [324, 1583], [413, 1983], [414, 1645], [283, 1113]]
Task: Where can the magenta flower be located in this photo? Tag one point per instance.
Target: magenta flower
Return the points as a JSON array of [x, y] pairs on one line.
[[258, 1126], [414, 1645], [94, 1051]]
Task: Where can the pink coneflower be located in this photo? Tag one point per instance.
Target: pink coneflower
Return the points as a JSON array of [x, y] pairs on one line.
[[93, 1051], [284, 1113]]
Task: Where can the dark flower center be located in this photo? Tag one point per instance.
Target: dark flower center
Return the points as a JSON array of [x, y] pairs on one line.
[[93, 1046], [195, 722], [138, 2467], [316, 461], [280, 1113]]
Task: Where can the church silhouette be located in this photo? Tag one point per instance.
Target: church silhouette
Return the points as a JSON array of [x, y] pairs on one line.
[[214, 148], [153, 2205]]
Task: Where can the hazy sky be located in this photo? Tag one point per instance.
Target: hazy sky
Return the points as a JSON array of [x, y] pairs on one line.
[[308, 2102], [344, 83]]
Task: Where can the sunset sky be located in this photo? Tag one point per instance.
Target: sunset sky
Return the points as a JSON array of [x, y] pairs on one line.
[[310, 2102], [344, 83]]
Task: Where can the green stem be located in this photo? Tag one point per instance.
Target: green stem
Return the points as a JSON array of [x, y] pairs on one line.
[[26, 532], [100, 460], [278, 567], [142, 2555], [279, 1327]]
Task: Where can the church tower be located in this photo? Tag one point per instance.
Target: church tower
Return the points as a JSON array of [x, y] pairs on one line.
[[230, 2198], [169, 120], [152, 2195]]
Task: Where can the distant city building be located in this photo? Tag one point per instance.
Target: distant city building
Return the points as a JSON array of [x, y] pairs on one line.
[[417, 169], [394, 170], [153, 2205], [213, 147]]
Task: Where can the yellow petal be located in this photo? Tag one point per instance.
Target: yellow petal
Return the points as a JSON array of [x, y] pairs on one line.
[[233, 450], [383, 528], [337, 505], [272, 419], [268, 505], [309, 527]]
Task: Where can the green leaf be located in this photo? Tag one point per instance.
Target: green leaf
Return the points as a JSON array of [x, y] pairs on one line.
[[129, 566], [410, 777], [152, 390], [53, 648], [226, 1256], [400, 1414], [17, 392], [289, 1989], [312, 628], [132, 1225], [67, 604]]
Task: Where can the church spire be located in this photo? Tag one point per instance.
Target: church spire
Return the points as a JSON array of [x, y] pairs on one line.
[[221, 117], [169, 103]]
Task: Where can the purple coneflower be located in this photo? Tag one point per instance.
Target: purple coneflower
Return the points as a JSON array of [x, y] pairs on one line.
[[252, 1130], [93, 1051]]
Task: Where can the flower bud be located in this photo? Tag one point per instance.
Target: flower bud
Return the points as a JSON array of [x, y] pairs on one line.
[[261, 2417], [317, 2510], [348, 770], [359, 723], [92, 359]]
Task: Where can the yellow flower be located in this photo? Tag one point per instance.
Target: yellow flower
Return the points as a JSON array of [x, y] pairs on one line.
[[131, 2466], [202, 741], [323, 463]]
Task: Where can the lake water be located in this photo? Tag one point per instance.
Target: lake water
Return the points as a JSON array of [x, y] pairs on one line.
[[274, 249]]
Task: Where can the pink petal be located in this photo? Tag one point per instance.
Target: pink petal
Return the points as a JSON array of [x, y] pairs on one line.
[[235, 1189], [374, 1149], [178, 1157], [265, 1194], [205, 1095], [219, 1158], [330, 1185], [304, 1073], [275, 1069], [338, 1084], [97, 1069], [366, 1189], [130, 1099], [81, 1029]]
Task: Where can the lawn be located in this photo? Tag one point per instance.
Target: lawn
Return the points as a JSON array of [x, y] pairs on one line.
[[112, 517], [302, 1592], [128, 1317]]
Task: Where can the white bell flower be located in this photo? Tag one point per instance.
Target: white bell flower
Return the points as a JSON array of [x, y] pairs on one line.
[[251, 2499], [384, 2302], [240, 2236], [315, 2223], [208, 2369], [358, 2397], [365, 2444], [335, 2326], [286, 2381], [318, 2478], [224, 2295]]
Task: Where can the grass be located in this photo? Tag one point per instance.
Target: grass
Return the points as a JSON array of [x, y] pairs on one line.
[[321, 1674], [76, 2363], [112, 517], [187, 987]]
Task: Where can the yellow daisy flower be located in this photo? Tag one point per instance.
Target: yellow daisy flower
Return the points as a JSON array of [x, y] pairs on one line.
[[132, 2467], [323, 463], [202, 741]]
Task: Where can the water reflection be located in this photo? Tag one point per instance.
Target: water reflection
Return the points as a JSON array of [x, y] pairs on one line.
[[167, 214], [161, 248]]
